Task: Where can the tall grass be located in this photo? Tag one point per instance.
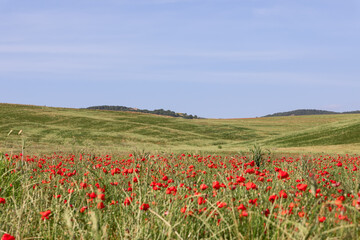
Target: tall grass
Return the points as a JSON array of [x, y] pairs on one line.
[[33, 192]]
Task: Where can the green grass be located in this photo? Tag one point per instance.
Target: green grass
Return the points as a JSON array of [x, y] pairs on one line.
[[49, 129]]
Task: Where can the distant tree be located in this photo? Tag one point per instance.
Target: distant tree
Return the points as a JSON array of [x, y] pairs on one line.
[[156, 111]]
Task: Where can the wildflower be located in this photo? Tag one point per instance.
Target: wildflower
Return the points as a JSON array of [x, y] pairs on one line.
[[101, 196], [83, 209], [2, 201], [7, 237], [201, 200], [241, 207], [92, 195], [45, 215], [127, 201], [283, 174], [100, 205], [221, 204], [283, 194], [272, 198], [216, 185], [144, 206], [250, 185], [301, 187], [183, 210]]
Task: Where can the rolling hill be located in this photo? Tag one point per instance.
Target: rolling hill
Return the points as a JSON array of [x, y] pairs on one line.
[[303, 112], [48, 129]]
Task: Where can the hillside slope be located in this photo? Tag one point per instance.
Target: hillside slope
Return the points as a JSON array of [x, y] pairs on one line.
[[344, 132], [55, 129], [303, 112]]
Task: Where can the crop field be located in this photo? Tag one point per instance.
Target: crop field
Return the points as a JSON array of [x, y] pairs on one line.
[[88, 174]]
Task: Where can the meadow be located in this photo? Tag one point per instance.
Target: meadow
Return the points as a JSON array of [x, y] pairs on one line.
[[48, 129], [86, 174]]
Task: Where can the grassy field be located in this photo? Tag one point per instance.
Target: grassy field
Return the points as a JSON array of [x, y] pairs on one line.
[[89, 174], [48, 129]]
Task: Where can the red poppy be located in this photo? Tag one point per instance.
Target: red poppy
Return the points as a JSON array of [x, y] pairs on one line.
[[45, 215], [283, 174], [283, 194], [221, 204], [92, 195], [216, 185], [7, 237], [241, 207], [272, 198], [321, 219], [201, 200], [127, 201], [144, 206], [301, 186], [83, 209], [250, 185], [183, 210], [101, 196], [240, 179], [100, 205], [2, 201]]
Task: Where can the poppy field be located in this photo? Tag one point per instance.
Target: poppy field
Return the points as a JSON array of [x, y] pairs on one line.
[[179, 196]]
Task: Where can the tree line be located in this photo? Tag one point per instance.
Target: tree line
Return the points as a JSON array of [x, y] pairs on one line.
[[156, 111], [301, 112]]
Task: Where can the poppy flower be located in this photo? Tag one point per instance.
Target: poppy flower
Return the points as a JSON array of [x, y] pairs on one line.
[[203, 187], [144, 206], [240, 179], [201, 200], [283, 175], [2, 201], [241, 207], [321, 219], [83, 209], [244, 213], [221, 204], [302, 187], [183, 210], [250, 185], [283, 194], [92, 195], [7, 237], [101, 196], [100, 205], [253, 201], [216, 185], [45, 215], [127, 201], [272, 198]]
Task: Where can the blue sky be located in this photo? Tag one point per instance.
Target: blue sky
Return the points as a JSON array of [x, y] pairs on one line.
[[213, 58]]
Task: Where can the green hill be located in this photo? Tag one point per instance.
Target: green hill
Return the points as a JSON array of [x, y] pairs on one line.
[[338, 133], [48, 129], [302, 112]]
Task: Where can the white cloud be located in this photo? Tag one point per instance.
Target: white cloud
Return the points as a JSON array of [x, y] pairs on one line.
[[119, 50]]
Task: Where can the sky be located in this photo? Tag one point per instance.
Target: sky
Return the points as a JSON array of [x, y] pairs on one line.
[[211, 58]]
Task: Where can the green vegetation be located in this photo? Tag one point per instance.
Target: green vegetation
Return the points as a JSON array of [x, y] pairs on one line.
[[161, 112], [258, 154], [302, 112], [47, 129]]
